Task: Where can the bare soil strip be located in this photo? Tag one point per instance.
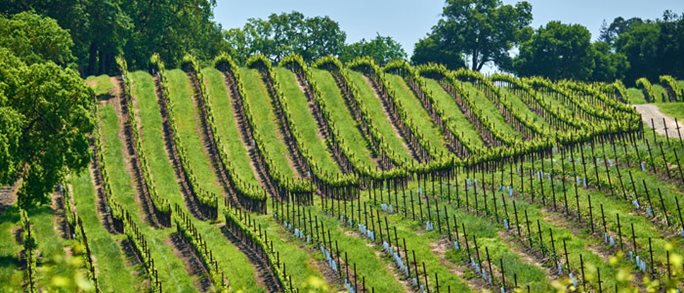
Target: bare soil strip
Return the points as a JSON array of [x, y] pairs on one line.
[[257, 160], [130, 153], [193, 264], [172, 152], [393, 117], [265, 276]]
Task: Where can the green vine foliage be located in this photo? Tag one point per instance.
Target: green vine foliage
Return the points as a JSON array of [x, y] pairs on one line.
[[647, 88], [246, 190], [673, 91], [206, 198], [292, 185]]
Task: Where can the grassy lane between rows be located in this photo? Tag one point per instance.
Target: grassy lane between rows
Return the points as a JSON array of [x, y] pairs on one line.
[[417, 114], [488, 109], [343, 119], [305, 122], [226, 125], [189, 129], [171, 269], [54, 264], [240, 272], [367, 98], [452, 114], [266, 124], [520, 107], [113, 273], [9, 250]]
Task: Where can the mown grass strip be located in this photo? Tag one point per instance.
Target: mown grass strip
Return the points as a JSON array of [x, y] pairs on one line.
[[418, 115], [226, 126], [488, 109], [171, 269], [368, 99], [346, 125], [305, 122], [53, 259], [9, 250], [266, 124], [186, 117], [113, 274], [452, 113], [235, 264]]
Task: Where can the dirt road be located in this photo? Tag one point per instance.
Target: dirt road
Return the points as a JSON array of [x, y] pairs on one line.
[[651, 112]]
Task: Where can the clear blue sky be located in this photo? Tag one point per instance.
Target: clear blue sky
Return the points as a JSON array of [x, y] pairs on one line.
[[407, 21]]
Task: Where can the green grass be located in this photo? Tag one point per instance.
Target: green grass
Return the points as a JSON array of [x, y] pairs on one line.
[[226, 126], [292, 255], [374, 267], [305, 122], [482, 103], [171, 269], [266, 124], [238, 270], [187, 119], [452, 113], [674, 110], [417, 114], [660, 93], [521, 108], [110, 264], [10, 274], [53, 264], [367, 98], [635, 96], [102, 84], [343, 119]]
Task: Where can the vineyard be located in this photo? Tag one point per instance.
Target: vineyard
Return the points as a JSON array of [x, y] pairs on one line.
[[328, 177]]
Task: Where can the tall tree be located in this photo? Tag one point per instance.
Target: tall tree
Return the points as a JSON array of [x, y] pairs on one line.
[[483, 30], [46, 111], [608, 65], [283, 34], [429, 50], [103, 29], [640, 45], [381, 49], [35, 39], [557, 51]]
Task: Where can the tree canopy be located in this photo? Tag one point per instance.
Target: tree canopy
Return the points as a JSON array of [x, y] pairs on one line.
[[381, 49], [103, 29], [557, 51], [482, 31], [46, 111], [283, 34]]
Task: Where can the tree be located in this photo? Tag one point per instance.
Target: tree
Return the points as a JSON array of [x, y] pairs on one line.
[[284, 34], [428, 50], [557, 51], [46, 111], [381, 49], [103, 29], [35, 39], [640, 45], [609, 33], [608, 66], [483, 30]]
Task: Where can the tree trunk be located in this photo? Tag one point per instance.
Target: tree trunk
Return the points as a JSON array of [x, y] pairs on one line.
[[92, 59]]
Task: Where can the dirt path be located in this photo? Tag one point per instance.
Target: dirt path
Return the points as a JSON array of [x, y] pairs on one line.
[[651, 111], [8, 195]]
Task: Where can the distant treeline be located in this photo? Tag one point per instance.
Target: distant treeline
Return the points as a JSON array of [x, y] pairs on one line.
[[470, 33]]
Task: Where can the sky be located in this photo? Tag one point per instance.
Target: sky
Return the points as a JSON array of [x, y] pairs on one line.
[[408, 21]]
